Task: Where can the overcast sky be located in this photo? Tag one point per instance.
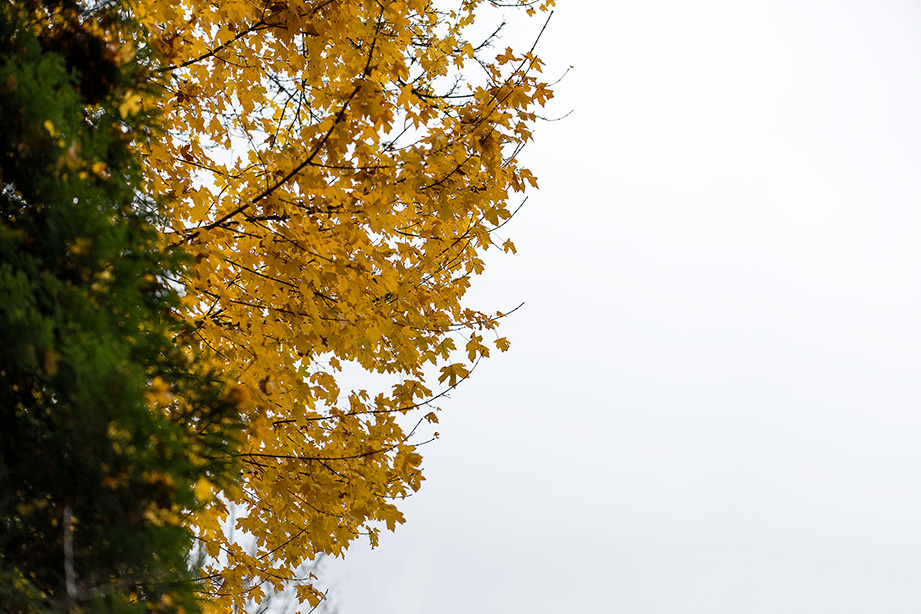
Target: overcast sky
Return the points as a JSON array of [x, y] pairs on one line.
[[711, 404]]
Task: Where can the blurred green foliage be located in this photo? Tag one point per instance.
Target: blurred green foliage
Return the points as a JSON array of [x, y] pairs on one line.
[[103, 417]]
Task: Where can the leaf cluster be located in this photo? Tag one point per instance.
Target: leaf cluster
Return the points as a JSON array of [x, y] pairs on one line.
[[337, 169]]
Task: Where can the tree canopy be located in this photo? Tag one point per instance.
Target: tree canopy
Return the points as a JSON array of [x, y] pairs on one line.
[[333, 171]]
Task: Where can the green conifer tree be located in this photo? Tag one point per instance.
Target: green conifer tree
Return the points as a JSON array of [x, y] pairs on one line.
[[106, 426]]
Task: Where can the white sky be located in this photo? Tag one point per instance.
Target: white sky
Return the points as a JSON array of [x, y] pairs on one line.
[[711, 404]]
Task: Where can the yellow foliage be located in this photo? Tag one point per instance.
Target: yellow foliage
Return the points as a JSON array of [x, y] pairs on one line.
[[336, 174]]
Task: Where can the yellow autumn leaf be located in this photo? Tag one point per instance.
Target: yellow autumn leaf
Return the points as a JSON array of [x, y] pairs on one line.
[[130, 104], [203, 489]]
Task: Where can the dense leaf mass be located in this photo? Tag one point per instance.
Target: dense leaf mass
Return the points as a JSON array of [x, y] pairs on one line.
[[332, 172], [337, 169], [95, 473]]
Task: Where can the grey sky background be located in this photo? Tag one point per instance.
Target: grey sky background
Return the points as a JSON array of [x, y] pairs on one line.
[[711, 403]]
